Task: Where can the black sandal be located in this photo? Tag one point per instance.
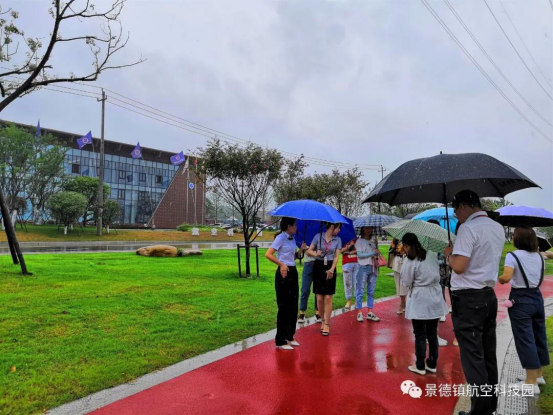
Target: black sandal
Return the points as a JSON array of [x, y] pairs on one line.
[[327, 332]]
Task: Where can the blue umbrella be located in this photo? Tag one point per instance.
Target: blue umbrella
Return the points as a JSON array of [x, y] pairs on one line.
[[375, 221], [524, 215], [307, 229], [439, 215], [309, 210]]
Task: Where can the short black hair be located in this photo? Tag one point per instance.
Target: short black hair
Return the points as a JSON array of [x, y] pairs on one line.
[[466, 197]]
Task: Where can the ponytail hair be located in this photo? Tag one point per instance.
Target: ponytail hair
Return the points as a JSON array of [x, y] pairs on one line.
[[412, 240], [284, 223]]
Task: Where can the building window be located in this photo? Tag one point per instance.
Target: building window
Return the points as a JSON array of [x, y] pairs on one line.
[[122, 174], [75, 168], [159, 179], [142, 177], [121, 194]]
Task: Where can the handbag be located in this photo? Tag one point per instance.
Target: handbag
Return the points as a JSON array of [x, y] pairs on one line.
[[379, 261]]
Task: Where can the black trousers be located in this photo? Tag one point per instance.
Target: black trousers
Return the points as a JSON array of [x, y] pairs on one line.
[[474, 314], [423, 330], [287, 295]]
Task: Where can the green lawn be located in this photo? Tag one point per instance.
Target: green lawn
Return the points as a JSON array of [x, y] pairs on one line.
[[91, 321], [86, 322]]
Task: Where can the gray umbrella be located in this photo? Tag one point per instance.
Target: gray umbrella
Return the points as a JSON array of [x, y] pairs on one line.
[[439, 178]]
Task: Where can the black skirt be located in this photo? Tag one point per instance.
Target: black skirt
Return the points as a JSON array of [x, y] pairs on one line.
[[321, 285]]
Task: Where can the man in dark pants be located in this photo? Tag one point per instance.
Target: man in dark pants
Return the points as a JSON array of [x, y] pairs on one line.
[[475, 263]]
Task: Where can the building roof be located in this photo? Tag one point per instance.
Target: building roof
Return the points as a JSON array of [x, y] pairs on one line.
[[110, 147]]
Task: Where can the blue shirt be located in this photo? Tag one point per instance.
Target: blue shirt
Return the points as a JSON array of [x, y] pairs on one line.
[[285, 247], [328, 248]]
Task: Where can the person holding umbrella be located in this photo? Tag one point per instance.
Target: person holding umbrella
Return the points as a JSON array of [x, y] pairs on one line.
[[367, 249], [425, 304], [326, 250], [524, 269], [474, 260], [286, 283]]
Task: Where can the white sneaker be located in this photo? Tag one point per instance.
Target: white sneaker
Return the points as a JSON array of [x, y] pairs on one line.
[[293, 343], [285, 347], [301, 318], [373, 317], [541, 380], [431, 370], [524, 389], [442, 342], [360, 317], [442, 320], [414, 369]]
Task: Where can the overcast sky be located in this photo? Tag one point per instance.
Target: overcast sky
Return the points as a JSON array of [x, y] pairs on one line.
[[370, 82]]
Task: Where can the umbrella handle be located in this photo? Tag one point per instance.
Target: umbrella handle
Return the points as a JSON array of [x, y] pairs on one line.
[[447, 214]]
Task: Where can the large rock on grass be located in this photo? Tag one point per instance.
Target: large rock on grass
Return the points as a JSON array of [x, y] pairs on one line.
[[166, 251]]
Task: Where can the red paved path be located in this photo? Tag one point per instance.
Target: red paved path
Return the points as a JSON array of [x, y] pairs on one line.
[[358, 369]]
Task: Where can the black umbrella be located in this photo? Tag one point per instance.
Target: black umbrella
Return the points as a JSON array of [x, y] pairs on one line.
[[439, 178], [544, 243], [426, 179]]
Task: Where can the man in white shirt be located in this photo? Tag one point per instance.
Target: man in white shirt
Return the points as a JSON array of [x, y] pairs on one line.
[[475, 263]]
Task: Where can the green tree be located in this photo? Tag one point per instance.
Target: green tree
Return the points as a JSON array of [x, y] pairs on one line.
[[290, 185], [27, 62], [111, 213], [29, 165], [88, 187], [494, 203], [67, 207], [243, 177]]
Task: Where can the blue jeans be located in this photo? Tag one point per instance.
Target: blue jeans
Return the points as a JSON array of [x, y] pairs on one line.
[[366, 277], [306, 281], [349, 272]]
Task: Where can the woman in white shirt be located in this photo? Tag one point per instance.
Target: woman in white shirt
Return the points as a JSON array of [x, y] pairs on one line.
[[524, 269], [425, 303]]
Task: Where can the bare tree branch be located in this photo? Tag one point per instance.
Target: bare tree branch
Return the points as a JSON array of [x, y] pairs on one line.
[[102, 48]]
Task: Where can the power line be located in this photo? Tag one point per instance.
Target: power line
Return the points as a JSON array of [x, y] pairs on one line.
[[482, 71], [195, 128], [473, 37], [524, 44], [516, 51]]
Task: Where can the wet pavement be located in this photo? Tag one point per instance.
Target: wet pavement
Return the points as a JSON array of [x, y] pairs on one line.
[[114, 246], [359, 369]]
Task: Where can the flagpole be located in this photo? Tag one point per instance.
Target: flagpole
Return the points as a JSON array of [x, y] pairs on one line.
[[195, 190]]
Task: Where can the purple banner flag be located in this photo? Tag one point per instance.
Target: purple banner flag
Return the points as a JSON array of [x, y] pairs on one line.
[[38, 129], [137, 152], [84, 140], [177, 159]]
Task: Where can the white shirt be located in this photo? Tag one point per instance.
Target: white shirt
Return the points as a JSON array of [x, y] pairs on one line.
[[425, 300], [480, 239], [531, 262], [365, 247]]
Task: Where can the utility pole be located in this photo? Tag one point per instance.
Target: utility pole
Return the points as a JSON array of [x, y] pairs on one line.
[[101, 172]]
